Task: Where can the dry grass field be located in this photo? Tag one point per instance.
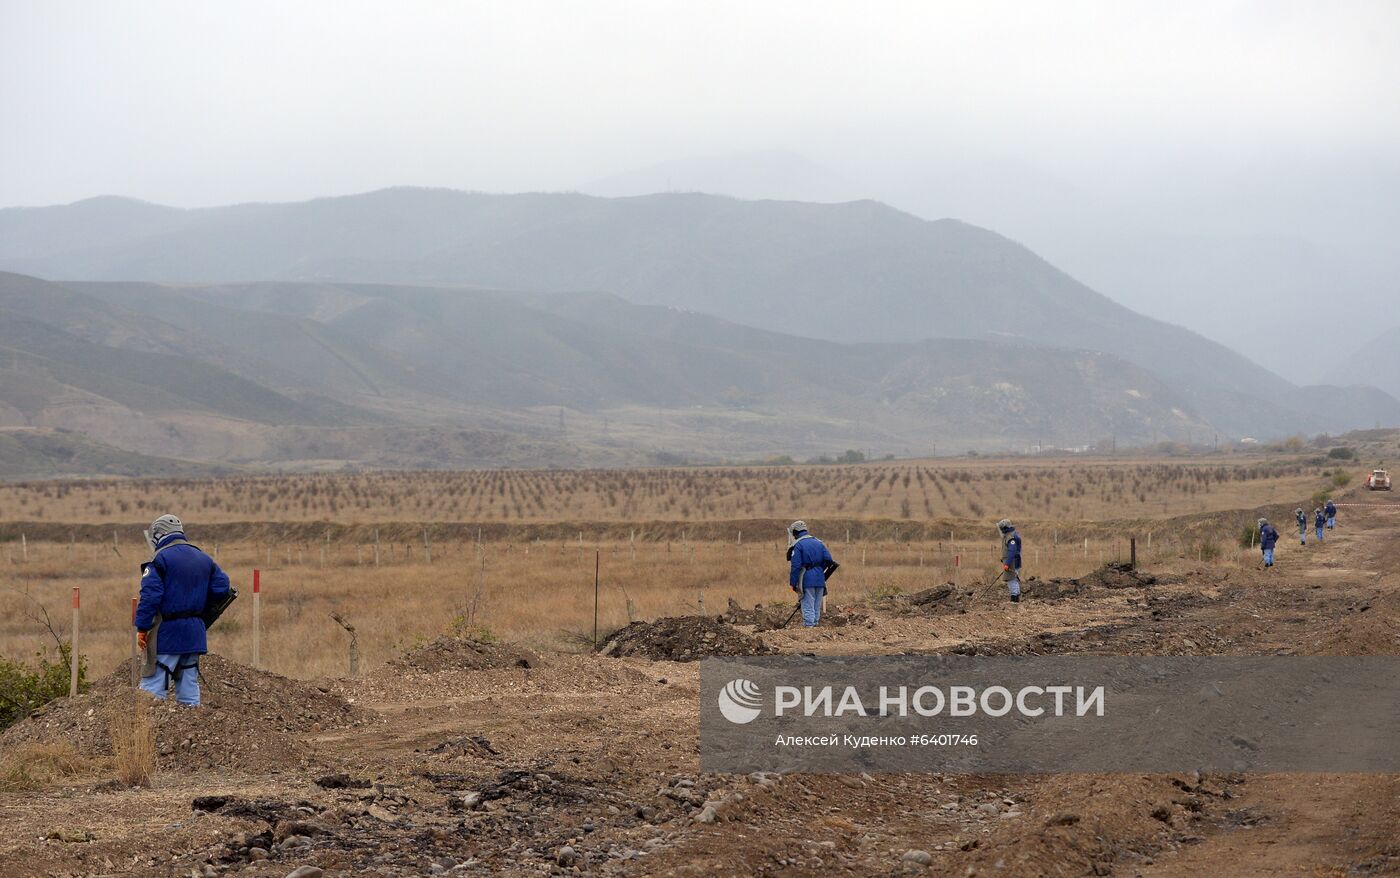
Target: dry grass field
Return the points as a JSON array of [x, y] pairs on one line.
[[590, 759], [911, 521]]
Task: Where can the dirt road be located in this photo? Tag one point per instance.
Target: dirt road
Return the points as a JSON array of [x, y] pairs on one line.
[[582, 763]]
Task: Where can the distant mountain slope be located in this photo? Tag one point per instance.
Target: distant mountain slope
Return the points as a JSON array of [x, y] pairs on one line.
[[1351, 407], [27, 453], [858, 271], [296, 355], [39, 362], [30, 232], [1375, 362], [325, 374], [596, 351]]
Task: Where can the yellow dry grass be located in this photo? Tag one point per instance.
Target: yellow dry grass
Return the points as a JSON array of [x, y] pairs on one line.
[[134, 742], [541, 592], [35, 766]]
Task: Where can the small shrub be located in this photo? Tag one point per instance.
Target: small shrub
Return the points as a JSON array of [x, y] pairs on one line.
[[1247, 538], [1342, 453], [886, 592], [134, 743], [467, 630], [24, 688], [1207, 550], [1341, 479], [581, 641]]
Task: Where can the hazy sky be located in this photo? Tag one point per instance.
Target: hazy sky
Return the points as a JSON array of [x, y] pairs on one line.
[[197, 103], [1206, 162]]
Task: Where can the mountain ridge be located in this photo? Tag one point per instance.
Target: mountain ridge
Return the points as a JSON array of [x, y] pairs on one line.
[[583, 374], [858, 271]]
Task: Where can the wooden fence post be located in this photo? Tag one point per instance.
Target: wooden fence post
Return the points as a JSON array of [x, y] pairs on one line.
[[136, 662]]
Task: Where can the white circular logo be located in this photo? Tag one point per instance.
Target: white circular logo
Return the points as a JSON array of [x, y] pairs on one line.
[[740, 701]]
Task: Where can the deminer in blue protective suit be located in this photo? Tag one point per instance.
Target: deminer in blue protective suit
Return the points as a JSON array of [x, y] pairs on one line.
[[1319, 522], [1302, 518], [177, 585], [812, 566], [1331, 510], [1268, 538], [1011, 558]]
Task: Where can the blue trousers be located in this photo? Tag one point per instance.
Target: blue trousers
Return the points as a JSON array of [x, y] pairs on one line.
[[180, 671], [1319, 533], [811, 607], [1013, 582], [1331, 522], [1303, 536], [1268, 557]]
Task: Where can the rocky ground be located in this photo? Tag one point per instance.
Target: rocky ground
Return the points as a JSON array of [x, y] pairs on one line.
[[474, 759]]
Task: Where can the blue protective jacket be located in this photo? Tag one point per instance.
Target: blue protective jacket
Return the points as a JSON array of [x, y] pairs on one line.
[[177, 584], [1268, 536], [1319, 518], [1012, 556], [1302, 520], [1331, 509], [810, 559]]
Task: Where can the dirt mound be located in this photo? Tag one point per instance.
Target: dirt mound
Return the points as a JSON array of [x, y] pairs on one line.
[[249, 719], [761, 617], [1113, 575], [449, 653], [939, 599], [682, 639], [1365, 626]]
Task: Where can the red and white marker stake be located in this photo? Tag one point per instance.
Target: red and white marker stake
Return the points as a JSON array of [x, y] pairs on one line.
[[73, 648], [136, 663], [257, 619]]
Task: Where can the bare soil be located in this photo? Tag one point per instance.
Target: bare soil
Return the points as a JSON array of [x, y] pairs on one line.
[[587, 763], [249, 720], [681, 639], [463, 653]]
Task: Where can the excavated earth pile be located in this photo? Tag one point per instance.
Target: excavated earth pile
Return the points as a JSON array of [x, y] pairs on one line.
[[249, 719], [682, 639], [1113, 575], [776, 616], [448, 653]]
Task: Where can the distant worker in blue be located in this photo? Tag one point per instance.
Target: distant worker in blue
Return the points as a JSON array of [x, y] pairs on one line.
[[1319, 521], [1331, 510], [1302, 525], [812, 566], [1011, 558], [178, 586], [1268, 538]]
